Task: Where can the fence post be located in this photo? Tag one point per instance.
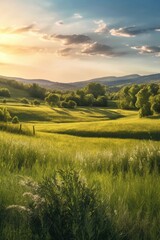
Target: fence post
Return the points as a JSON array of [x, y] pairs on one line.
[[20, 127], [34, 131]]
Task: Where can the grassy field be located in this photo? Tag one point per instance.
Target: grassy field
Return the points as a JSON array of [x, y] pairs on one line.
[[88, 173]]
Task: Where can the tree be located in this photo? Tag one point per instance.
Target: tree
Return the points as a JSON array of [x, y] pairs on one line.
[[153, 89], [145, 111], [143, 98], [89, 100], [53, 99], [4, 92], [96, 89], [143, 102], [101, 101], [125, 101], [134, 89], [155, 104], [36, 91], [81, 93]]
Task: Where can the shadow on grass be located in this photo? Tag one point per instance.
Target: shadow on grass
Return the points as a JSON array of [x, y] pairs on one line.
[[154, 135], [154, 117], [62, 111]]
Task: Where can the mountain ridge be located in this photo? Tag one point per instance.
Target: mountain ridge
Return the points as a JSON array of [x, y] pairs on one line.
[[110, 81]]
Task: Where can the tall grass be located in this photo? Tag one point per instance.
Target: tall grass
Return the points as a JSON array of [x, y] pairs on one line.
[[112, 193], [16, 128]]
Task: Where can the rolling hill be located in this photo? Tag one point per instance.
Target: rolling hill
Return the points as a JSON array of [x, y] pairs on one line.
[[112, 81]]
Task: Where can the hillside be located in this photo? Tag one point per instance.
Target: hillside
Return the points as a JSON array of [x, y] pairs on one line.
[[15, 92], [112, 82]]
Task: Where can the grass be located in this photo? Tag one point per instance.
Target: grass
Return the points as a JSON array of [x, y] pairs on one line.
[[44, 113], [126, 127], [108, 185]]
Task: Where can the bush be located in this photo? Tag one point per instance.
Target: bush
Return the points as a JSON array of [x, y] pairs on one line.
[[4, 115], [15, 120], [64, 104], [4, 101], [72, 104], [1, 116], [64, 207], [4, 92], [52, 99], [69, 104], [25, 101], [36, 102]]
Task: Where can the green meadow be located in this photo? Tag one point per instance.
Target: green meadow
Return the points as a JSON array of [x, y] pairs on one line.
[[87, 173]]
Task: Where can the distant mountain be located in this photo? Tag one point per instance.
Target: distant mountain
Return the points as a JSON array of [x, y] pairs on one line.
[[120, 81], [112, 82], [43, 83]]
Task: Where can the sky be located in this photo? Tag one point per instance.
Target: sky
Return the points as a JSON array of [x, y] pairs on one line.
[[72, 40]]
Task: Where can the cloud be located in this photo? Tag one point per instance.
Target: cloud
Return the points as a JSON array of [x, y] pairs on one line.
[[99, 49], [18, 30], [18, 49], [59, 23], [24, 29], [148, 50], [69, 39], [102, 27], [77, 16], [65, 52], [132, 31]]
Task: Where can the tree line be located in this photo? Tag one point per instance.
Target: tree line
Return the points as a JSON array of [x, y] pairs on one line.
[[94, 94], [145, 98]]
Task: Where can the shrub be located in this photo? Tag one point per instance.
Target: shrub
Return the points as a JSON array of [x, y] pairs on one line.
[[52, 99], [69, 104], [64, 207], [72, 104], [1, 116], [4, 115], [36, 102], [4, 101], [15, 120], [25, 101], [64, 104], [4, 92]]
